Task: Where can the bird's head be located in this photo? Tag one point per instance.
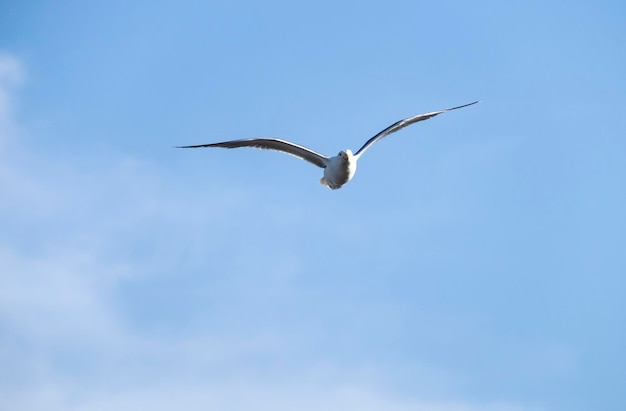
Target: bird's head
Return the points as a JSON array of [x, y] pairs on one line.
[[346, 155]]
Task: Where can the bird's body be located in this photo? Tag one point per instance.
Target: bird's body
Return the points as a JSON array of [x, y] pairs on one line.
[[338, 170]]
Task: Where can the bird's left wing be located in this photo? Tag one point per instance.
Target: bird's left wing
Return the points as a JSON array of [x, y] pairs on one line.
[[401, 124], [273, 144]]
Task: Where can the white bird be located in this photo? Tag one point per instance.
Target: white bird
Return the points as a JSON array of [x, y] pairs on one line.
[[338, 170]]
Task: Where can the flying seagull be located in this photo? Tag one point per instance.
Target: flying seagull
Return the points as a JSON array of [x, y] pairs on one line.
[[338, 170]]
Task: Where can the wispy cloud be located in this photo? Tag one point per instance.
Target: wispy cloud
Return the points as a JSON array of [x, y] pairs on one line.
[[194, 394], [11, 75]]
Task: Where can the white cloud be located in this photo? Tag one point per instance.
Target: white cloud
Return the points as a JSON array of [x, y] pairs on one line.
[[11, 75], [57, 298], [240, 395]]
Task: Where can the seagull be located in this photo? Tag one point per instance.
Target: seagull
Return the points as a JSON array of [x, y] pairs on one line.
[[338, 170]]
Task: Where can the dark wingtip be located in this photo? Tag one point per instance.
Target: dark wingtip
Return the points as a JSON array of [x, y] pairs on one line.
[[464, 105], [201, 145]]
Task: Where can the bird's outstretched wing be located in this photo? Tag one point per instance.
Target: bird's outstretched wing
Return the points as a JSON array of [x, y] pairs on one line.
[[273, 144], [401, 124]]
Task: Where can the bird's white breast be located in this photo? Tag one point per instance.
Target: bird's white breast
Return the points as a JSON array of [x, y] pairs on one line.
[[339, 171]]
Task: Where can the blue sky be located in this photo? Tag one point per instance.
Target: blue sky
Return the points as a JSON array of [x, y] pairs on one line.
[[476, 261]]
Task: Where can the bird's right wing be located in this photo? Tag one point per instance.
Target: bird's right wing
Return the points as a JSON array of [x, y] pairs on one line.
[[273, 144], [403, 123]]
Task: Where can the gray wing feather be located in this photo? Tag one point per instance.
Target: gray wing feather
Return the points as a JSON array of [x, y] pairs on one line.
[[403, 123], [273, 144]]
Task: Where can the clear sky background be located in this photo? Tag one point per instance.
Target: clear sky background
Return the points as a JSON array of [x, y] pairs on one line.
[[476, 262]]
